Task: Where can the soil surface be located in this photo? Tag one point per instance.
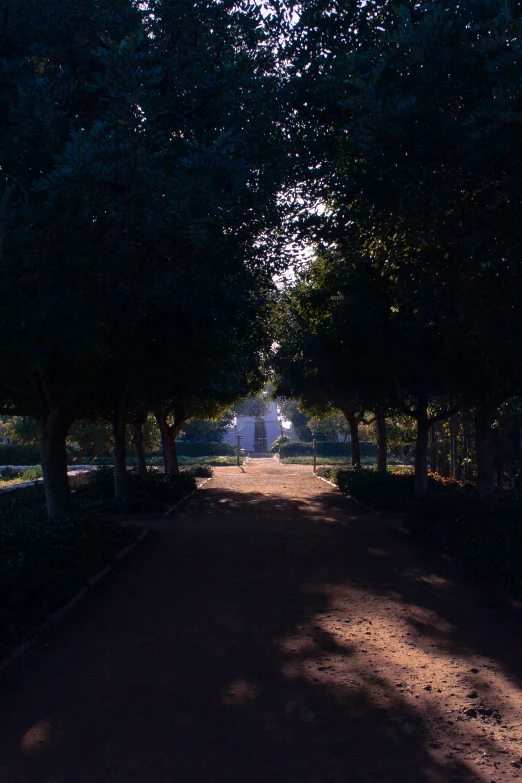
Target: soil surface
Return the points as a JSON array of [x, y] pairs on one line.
[[271, 631]]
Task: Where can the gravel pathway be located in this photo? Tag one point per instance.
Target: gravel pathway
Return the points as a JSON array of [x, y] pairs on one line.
[[270, 631]]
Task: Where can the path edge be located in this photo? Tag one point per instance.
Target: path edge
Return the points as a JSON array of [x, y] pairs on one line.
[[387, 514], [174, 507], [60, 613]]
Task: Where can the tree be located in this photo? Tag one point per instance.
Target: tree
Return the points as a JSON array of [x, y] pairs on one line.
[[330, 426], [334, 344], [89, 439], [207, 430], [299, 420], [410, 122], [138, 194], [251, 407]]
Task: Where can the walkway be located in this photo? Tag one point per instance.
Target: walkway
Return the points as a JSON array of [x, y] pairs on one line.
[[271, 632]]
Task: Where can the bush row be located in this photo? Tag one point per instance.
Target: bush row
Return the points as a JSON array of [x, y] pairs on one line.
[[43, 562], [205, 449], [144, 492], [325, 449], [391, 491], [487, 536], [17, 454], [381, 491], [451, 517]]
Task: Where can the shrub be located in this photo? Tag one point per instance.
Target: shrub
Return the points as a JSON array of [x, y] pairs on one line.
[[451, 517], [339, 461], [31, 474], [17, 454], [205, 449], [485, 535], [279, 441], [199, 471], [43, 561], [106, 461], [8, 474], [144, 492], [381, 491], [391, 491]]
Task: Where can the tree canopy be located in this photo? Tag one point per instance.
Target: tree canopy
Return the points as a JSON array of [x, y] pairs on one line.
[[158, 162]]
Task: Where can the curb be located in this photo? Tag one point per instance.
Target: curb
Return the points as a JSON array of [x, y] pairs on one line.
[[80, 595], [174, 507], [326, 481]]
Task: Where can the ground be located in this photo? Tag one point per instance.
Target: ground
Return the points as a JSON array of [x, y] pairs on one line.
[[271, 630]]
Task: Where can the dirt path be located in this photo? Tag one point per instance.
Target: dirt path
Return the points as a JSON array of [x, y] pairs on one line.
[[271, 632]]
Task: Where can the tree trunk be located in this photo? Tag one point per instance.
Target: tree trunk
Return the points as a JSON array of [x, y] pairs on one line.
[[383, 443], [518, 459], [433, 449], [138, 447], [171, 465], [500, 481], [468, 469], [454, 430], [120, 454], [445, 472], [168, 443], [421, 456], [356, 446], [485, 475], [53, 454]]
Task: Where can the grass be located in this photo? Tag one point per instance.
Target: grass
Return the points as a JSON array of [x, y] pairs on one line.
[[11, 476], [188, 461], [9, 482], [212, 461]]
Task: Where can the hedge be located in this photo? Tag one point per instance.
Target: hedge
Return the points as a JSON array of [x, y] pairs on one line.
[[16, 454], [144, 492], [204, 449], [485, 535], [43, 562], [325, 449], [451, 517], [381, 491]]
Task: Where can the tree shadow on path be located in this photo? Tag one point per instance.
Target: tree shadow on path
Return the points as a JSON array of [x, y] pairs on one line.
[[216, 655]]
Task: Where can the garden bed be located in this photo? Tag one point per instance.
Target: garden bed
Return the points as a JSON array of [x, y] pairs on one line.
[[451, 517], [328, 461], [44, 562]]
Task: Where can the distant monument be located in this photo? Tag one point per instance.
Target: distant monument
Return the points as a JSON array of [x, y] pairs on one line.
[[259, 433]]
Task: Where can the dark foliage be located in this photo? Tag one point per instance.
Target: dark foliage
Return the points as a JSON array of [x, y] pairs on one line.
[[381, 491], [390, 491], [485, 535], [144, 492], [199, 471], [282, 440], [325, 449], [205, 449], [43, 561], [17, 454]]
